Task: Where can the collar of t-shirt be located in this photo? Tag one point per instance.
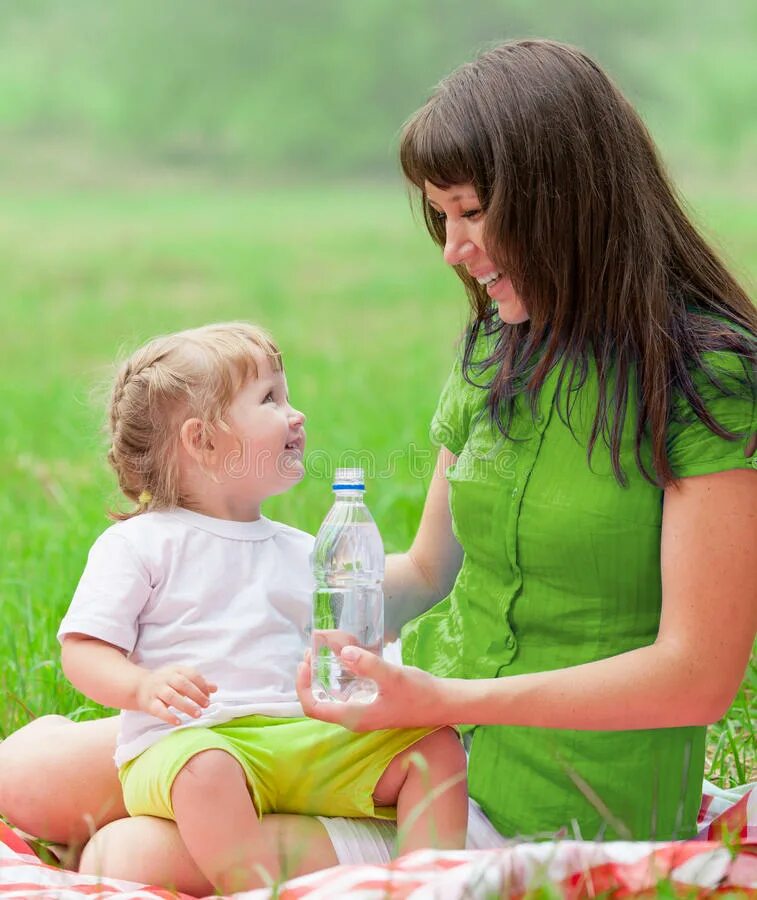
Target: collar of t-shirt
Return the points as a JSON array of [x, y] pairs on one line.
[[259, 530]]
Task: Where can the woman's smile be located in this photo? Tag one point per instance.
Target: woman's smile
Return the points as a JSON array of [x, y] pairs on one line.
[[459, 208]]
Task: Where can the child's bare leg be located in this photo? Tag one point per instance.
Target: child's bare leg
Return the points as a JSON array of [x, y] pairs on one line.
[[151, 851], [219, 825], [57, 778], [431, 796]]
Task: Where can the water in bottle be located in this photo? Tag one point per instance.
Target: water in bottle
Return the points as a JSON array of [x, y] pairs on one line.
[[348, 603]]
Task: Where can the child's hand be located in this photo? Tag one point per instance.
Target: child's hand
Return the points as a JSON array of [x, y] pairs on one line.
[[173, 686]]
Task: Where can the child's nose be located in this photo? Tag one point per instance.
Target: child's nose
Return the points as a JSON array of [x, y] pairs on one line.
[[297, 418]]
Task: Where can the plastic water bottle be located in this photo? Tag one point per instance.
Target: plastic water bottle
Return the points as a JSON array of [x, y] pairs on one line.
[[348, 603]]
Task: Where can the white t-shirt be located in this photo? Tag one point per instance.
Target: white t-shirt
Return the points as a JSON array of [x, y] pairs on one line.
[[231, 599]]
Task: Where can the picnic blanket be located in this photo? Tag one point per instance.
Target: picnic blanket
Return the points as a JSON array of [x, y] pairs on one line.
[[723, 859]]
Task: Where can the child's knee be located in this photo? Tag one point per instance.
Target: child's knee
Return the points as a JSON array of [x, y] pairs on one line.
[[441, 750], [440, 753], [207, 771]]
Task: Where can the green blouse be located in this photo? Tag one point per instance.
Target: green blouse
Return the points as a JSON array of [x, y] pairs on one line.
[[561, 567]]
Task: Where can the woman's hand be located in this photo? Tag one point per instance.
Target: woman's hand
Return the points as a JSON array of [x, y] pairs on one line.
[[333, 639], [407, 697]]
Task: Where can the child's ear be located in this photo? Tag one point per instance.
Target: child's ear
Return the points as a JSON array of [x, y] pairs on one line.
[[197, 439]]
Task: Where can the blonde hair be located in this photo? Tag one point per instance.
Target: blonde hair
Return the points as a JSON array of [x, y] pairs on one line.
[[193, 373]]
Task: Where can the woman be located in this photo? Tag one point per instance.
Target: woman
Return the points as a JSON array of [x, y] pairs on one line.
[[580, 591]]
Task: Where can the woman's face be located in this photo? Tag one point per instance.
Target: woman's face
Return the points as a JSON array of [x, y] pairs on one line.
[[460, 210]]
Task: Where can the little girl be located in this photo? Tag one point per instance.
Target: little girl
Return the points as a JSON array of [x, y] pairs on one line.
[[191, 616]]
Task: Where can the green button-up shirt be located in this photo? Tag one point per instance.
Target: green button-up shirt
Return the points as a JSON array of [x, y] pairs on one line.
[[561, 567]]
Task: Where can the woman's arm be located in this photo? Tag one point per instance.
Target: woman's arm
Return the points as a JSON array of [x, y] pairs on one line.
[[423, 576], [688, 676], [102, 672]]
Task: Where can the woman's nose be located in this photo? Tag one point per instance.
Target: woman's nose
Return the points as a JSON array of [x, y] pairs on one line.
[[457, 246]]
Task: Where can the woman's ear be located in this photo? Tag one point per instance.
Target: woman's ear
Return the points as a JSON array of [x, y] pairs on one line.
[[197, 440]]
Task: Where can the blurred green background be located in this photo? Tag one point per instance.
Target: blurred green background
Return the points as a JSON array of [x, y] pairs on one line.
[[169, 163], [302, 89]]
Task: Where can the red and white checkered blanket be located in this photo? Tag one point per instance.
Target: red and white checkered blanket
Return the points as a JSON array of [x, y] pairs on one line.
[[723, 858]]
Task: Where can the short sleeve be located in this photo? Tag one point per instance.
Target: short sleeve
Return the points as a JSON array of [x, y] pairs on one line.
[[461, 402], [111, 594], [451, 421], [693, 449]]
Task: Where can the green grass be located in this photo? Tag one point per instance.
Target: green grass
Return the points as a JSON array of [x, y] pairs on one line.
[[353, 291]]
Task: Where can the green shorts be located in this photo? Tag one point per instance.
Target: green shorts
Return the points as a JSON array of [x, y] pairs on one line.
[[291, 765]]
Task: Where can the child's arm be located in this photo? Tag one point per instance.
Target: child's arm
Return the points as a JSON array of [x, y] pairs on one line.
[[102, 672]]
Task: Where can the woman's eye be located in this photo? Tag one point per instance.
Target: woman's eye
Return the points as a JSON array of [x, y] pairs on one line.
[[439, 216]]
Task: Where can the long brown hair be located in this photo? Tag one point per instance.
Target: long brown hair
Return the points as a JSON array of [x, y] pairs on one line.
[[581, 215]]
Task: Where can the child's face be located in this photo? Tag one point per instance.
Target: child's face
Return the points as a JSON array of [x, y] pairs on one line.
[[265, 450]]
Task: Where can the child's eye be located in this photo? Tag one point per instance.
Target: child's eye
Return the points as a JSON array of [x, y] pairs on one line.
[[268, 397]]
